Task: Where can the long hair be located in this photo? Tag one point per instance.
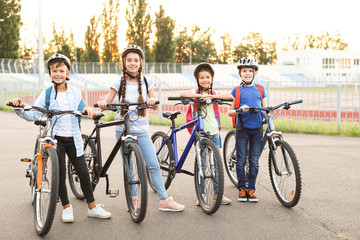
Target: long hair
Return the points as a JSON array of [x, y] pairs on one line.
[[122, 93]]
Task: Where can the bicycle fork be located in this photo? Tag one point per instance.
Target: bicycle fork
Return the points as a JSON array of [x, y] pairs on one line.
[[199, 160], [271, 139]]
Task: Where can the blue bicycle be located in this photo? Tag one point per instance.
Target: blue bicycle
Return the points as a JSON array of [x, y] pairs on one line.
[[208, 169]]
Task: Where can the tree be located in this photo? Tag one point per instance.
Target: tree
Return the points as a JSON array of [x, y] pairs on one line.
[[323, 40], [91, 53], [139, 25], [10, 28], [165, 47], [255, 45], [199, 46], [226, 53], [110, 21], [182, 46]]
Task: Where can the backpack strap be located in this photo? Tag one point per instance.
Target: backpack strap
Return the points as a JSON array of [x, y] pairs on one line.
[[261, 90], [47, 97]]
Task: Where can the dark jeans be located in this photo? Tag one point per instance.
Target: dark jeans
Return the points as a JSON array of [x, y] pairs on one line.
[[67, 145], [254, 138]]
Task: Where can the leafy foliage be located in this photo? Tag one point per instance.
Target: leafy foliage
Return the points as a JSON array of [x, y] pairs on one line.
[[139, 24], [110, 25], [164, 48], [10, 28]]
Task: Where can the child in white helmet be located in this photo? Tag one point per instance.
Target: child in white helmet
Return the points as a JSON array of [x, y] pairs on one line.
[[248, 127]]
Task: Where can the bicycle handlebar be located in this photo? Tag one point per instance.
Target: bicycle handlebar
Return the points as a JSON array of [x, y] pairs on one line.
[[45, 111], [127, 104], [187, 100], [286, 106]]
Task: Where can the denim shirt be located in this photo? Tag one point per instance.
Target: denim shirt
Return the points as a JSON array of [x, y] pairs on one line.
[[76, 104]]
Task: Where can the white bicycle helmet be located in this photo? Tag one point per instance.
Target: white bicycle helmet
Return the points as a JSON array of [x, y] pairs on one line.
[[132, 48], [248, 62], [60, 58]]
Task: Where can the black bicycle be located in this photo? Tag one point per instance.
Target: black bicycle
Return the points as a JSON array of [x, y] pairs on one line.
[[135, 184], [284, 167]]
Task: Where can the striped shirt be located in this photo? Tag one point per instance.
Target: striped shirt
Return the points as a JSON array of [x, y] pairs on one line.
[[76, 104], [138, 124]]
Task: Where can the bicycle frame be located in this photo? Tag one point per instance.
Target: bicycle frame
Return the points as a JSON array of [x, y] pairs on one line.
[[198, 128]]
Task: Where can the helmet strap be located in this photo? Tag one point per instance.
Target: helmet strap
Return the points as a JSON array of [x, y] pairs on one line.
[[131, 76]]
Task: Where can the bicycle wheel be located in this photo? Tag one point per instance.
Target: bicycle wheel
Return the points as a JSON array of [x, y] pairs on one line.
[[90, 156], [32, 170], [229, 155], [209, 176], [46, 197], [165, 158], [135, 182], [287, 182]]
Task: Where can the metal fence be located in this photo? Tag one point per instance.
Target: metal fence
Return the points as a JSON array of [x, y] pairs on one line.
[[327, 104], [32, 67]]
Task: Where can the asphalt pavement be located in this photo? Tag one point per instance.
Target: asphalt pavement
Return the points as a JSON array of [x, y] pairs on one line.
[[328, 209]]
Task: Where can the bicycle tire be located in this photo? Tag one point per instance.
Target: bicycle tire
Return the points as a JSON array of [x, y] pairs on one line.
[[135, 182], [165, 158], [287, 186], [32, 169], [90, 156], [46, 198], [208, 199], [229, 156]]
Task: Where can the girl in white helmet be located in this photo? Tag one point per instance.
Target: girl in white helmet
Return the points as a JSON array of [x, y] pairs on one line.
[[133, 87]]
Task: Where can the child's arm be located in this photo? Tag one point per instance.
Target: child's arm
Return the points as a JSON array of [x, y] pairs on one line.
[[190, 94], [109, 98], [152, 98], [223, 96]]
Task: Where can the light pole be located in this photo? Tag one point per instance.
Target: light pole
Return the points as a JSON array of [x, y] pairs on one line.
[[41, 53]]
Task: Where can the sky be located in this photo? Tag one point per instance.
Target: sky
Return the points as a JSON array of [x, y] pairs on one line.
[[274, 20]]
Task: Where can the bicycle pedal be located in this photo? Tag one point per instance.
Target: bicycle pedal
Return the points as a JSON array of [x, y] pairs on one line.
[[113, 193], [25, 160]]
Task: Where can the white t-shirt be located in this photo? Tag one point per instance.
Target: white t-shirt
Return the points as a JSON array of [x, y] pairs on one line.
[[64, 121], [137, 123]]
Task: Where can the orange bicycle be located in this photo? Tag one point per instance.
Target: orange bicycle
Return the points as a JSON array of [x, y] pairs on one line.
[[43, 169]]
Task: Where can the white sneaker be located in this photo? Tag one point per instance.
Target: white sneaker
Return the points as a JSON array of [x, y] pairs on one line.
[[225, 200], [68, 215], [98, 212]]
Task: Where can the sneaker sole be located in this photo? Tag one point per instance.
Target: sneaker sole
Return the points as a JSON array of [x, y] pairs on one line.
[[253, 200], [169, 210], [242, 199], [96, 216], [67, 221]]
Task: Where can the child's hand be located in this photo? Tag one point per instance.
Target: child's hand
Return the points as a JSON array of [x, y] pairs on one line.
[[89, 110], [151, 102], [245, 108], [102, 104], [205, 97], [16, 102]]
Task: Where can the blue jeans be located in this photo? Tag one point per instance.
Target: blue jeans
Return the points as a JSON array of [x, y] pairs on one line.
[[254, 138], [216, 139], [148, 152]]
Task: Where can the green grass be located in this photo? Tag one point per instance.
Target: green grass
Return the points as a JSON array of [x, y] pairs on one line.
[[308, 126]]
